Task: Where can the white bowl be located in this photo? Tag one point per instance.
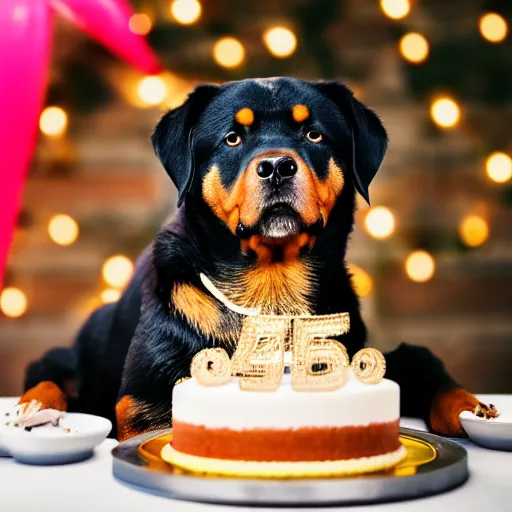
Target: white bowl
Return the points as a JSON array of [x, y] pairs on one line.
[[49, 445], [494, 433], [6, 405]]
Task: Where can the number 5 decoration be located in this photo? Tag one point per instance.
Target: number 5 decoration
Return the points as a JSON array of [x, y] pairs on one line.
[[318, 362]]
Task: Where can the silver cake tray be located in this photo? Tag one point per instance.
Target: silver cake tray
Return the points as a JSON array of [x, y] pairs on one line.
[[433, 465]]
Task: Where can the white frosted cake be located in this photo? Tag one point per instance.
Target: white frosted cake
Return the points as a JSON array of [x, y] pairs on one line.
[[285, 433]]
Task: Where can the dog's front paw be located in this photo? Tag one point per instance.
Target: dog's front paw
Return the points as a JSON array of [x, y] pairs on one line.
[[48, 394], [446, 408]]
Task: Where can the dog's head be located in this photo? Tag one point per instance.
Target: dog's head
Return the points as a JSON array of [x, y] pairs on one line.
[[271, 157]]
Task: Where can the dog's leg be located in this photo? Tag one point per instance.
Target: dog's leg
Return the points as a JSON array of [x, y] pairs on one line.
[[52, 380], [427, 391], [135, 416], [448, 404], [160, 354], [48, 394]]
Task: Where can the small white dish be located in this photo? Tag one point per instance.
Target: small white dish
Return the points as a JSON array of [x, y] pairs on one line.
[[52, 445], [6, 405], [495, 433]]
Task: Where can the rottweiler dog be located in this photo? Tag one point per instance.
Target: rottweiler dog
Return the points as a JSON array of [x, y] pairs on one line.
[[267, 173]]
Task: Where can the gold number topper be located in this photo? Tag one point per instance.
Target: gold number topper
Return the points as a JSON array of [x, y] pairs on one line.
[[258, 358], [369, 366], [211, 367], [319, 363]]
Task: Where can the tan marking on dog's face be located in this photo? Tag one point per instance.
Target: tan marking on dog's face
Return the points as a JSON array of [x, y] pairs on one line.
[[241, 203], [300, 113], [318, 196], [245, 116], [314, 197], [264, 247]]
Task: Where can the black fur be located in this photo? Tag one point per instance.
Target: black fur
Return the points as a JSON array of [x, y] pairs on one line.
[[173, 139], [369, 137], [141, 346]]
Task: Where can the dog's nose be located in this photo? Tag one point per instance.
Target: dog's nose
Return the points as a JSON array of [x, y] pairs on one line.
[[280, 168]]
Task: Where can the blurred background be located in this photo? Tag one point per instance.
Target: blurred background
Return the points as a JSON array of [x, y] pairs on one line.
[[431, 258]]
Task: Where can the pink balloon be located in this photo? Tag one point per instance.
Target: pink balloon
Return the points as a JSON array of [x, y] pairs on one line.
[[25, 40], [25, 37], [107, 22]]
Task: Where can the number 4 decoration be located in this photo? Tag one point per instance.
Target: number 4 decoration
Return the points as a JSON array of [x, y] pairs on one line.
[[259, 357]]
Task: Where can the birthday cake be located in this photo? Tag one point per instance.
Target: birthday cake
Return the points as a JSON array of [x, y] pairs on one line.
[[223, 429]]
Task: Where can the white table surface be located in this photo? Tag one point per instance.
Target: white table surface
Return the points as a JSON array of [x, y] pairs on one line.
[[90, 486]]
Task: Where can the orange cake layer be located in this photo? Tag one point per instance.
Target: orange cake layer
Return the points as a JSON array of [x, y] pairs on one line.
[[301, 444]]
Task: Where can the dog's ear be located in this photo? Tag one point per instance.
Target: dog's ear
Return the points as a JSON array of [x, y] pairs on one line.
[[369, 138], [173, 138]]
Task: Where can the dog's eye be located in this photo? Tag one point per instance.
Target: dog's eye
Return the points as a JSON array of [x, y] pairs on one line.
[[233, 139], [314, 136]]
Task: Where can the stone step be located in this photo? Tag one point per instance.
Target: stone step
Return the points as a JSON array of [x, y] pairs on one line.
[[99, 191], [445, 294], [475, 349], [26, 339], [59, 293]]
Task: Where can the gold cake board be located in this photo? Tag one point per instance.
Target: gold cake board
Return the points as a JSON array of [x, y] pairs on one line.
[[313, 469], [432, 465]]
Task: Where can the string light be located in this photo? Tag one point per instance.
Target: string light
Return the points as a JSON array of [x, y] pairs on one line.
[[13, 302], [380, 222], [53, 121], [152, 90], [63, 229], [117, 271], [499, 167], [473, 230], [140, 23], [414, 47], [395, 9], [445, 112], [228, 52], [186, 12], [110, 295], [280, 41], [361, 280], [493, 27], [420, 266]]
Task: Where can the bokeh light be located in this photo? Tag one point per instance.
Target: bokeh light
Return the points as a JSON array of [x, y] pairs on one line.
[[414, 47], [473, 230], [110, 295], [395, 9], [140, 23], [117, 271], [380, 222], [420, 266], [186, 12], [280, 41], [499, 167], [152, 90], [13, 302], [228, 52], [361, 280], [53, 121], [63, 229], [445, 112], [493, 27]]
